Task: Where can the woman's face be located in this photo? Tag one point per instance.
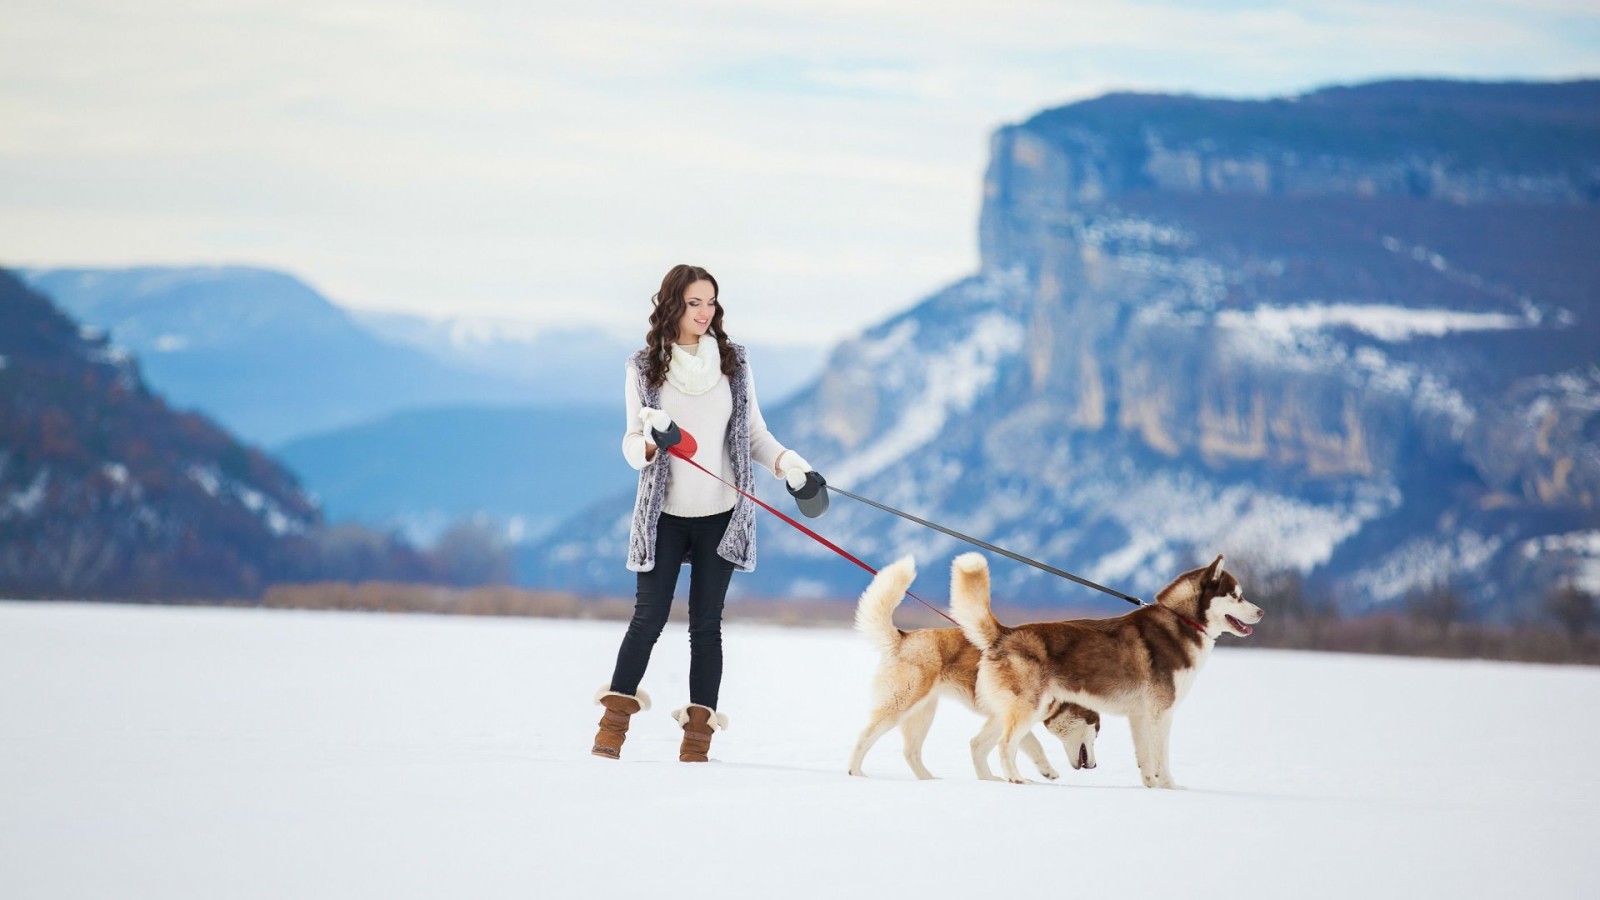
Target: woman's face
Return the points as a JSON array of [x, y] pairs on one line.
[[700, 304]]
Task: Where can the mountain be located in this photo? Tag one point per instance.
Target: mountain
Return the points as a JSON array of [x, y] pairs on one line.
[[370, 407], [586, 362], [258, 350], [106, 491], [422, 470], [1349, 334]]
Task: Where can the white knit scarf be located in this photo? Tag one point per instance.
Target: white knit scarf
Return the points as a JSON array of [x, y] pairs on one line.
[[695, 370]]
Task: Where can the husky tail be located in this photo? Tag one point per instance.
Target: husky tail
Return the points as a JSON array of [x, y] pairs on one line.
[[969, 600], [875, 612]]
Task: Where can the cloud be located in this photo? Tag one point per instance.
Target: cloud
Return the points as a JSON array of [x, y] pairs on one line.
[[550, 160]]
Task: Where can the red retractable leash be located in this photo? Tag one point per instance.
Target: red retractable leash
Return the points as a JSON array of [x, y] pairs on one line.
[[681, 454]]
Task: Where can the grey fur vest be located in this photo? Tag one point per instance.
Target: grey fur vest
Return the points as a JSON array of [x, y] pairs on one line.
[[738, 544]]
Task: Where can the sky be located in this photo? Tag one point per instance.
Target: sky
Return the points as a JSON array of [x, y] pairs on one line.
[[548, 163]]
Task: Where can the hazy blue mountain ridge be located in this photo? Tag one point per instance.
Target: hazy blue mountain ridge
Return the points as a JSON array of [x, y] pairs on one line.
[[420, 471], [259, 350], [587, 363]]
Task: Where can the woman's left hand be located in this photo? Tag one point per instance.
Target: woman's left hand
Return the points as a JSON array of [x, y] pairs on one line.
[[795, 468]]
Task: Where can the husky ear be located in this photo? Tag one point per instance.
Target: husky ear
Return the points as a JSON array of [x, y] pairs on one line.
[[1214, 571]]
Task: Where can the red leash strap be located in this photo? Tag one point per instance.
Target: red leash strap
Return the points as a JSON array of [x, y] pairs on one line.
[[812, 534]]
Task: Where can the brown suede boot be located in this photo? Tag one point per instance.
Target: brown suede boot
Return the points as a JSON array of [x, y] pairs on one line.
[[698, 724], [614, 721]]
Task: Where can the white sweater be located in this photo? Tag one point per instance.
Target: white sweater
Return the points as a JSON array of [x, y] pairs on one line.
[[691, 492]]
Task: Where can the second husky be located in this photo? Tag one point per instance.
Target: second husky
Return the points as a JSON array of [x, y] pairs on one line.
[[917, 666], [1138, 665]]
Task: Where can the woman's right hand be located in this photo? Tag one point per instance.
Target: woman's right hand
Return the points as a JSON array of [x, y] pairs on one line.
[[663, 430]]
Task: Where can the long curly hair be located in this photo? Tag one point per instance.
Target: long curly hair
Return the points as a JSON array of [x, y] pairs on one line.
[[668, 311]]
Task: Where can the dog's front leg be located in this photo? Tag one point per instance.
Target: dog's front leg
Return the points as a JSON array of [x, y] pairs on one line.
[[1142, 725], [1163, 737], [1035, 751], [1016, 727]]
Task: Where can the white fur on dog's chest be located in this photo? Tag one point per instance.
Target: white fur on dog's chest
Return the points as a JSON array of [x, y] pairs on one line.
[[1181, 679]]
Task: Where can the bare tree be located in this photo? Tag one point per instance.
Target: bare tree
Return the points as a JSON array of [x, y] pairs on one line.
[[1439, 604], [471, 553], [1572, 607]]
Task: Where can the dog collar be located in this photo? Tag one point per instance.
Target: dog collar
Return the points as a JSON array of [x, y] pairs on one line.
[[1186, 620]]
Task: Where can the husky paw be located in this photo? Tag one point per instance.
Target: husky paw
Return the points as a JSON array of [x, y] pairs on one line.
[[1051, 774], [1019, 781]]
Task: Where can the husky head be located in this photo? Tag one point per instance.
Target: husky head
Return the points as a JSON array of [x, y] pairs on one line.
[[1222, 606], [1077, 728], [1213, 597]]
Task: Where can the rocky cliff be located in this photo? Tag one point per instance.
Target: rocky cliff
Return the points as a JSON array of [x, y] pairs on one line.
[[1353, 333]]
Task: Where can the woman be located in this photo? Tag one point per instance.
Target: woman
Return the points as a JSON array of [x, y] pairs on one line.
[[688, 374]]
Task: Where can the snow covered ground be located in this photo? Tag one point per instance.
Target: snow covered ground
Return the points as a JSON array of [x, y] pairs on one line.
[[221, 753]]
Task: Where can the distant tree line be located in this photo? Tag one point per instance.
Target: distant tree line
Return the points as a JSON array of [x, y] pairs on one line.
[[468, 570], [469, 553], [1432, 620]]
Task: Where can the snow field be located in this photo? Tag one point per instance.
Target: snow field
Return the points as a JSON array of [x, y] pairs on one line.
[[202, 752]]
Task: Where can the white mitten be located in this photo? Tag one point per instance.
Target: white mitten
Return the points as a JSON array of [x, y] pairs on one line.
[[656, 419], [795, 468]]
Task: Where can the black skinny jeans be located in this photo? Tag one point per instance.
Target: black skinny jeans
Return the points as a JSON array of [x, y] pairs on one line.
[[709, 575]]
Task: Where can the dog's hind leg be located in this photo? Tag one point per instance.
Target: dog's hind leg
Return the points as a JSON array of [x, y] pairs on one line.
[[982, 743], [883, 718], [1035, 751], [914, 729]]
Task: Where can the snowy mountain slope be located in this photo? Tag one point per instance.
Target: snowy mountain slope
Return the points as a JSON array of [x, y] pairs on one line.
[[205, 752]]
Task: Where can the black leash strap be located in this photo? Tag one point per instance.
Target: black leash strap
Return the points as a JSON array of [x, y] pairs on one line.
[[988, 546]]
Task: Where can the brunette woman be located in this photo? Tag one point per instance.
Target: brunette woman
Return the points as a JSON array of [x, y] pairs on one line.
[[688, 378]]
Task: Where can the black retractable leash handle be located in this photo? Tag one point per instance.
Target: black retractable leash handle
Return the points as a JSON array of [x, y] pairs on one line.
[[988, 546], [811, 497]]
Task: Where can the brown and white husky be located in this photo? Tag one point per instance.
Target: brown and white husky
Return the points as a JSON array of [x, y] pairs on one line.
[[917, 666], [1137, 665]]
